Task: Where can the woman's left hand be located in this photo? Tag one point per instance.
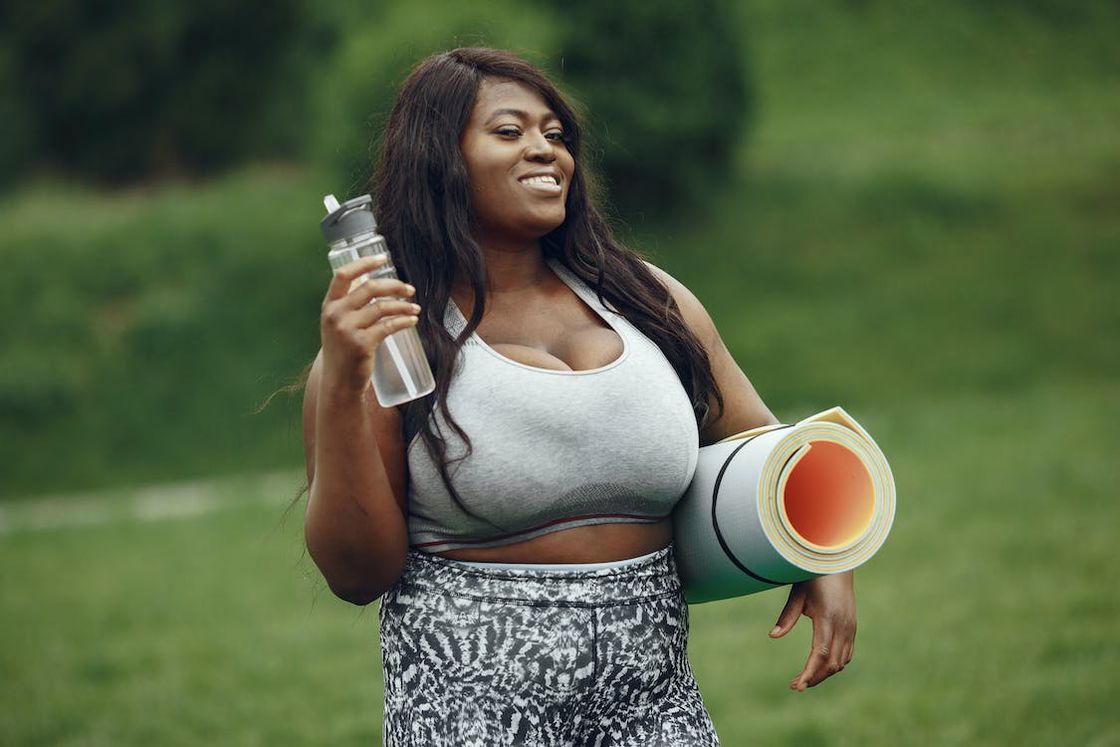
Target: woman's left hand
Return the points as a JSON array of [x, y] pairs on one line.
[[831, 603]]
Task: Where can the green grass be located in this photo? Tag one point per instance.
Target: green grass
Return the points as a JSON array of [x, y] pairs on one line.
[[197, 631], [924, 230], [147, 325], [984, 620], [911, 221]]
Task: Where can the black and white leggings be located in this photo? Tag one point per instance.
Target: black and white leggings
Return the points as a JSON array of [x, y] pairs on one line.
[[484, 656]]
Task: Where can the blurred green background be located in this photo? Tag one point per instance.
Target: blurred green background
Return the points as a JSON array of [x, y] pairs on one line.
[[910, 209]]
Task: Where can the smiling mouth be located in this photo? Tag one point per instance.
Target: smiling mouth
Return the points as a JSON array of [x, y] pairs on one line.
[[545, 184]]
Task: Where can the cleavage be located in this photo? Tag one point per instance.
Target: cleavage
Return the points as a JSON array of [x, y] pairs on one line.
[[569, 338]]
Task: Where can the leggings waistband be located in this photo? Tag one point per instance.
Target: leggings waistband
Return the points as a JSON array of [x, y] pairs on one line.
[[556, 567], [649, 576]]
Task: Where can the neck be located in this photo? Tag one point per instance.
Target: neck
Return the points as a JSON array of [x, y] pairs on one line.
[[511, 267]]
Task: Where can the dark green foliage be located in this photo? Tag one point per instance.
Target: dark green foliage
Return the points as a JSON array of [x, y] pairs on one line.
[[666, 96], [665, 93], [118, 91], [355, 94], [18, 142]]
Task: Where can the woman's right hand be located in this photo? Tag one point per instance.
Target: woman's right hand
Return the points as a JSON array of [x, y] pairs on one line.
[[352, 328]]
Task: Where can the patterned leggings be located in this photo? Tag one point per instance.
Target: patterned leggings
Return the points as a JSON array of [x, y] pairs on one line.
[[482, 657]]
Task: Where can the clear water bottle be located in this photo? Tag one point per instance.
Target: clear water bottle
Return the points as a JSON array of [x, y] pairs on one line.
[[400, 372]]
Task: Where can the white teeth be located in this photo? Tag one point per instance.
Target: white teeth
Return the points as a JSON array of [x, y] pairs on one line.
[[541, 180]]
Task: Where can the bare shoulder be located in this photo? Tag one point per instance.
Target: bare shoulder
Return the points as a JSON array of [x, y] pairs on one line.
[[693, 311], [743, 408]]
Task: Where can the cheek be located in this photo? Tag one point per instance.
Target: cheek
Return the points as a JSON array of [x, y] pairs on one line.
[[569, 169], [568, 163], [568, 183], [491, 198], [487, 180]]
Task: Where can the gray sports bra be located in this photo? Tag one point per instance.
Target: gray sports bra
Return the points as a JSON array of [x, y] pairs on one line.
[[554, 449]]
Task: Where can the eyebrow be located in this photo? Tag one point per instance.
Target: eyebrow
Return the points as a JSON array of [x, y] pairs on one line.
[[523, 115]]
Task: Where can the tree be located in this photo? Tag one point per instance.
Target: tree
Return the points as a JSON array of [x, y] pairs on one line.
[[666, 94], [118, 91]]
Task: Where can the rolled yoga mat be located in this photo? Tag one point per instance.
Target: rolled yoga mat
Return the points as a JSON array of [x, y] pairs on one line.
[[781, 504]]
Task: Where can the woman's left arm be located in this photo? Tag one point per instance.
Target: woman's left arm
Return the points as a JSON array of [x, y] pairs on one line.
[[829, 601]]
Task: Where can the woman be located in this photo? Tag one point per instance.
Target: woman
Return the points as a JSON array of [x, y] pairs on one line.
[[516, 524]]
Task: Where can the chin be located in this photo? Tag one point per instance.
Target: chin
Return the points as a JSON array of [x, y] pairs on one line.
[[551, 223]]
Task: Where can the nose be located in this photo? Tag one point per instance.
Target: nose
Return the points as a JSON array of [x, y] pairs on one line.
[[539, 148]]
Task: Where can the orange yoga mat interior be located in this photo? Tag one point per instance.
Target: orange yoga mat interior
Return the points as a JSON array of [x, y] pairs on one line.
[[828, 497]]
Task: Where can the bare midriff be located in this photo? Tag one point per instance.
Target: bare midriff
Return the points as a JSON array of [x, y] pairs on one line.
[[597, 543]]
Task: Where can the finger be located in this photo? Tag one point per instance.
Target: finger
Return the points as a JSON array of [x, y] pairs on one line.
[[815, 668], [817, 663], [790, 614], [374, 335], [371, 314], [377, 289], [347, 274], [354, 311], [835, 662], [845, 641]]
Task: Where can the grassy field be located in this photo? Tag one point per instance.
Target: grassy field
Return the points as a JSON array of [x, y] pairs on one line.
[[986, 619], [925, 231], [149, 317]]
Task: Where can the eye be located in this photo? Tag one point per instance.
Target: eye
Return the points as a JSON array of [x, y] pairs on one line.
[[557, 135], [508, 131]]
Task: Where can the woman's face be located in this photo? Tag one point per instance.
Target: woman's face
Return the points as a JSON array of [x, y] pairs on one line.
[[518, 163]]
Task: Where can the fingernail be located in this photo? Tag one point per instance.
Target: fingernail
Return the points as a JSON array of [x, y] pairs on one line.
[[777, 629], [410, 289], [415, 307]]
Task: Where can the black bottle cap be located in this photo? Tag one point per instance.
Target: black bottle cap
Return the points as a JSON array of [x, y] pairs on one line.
[[350, 219]]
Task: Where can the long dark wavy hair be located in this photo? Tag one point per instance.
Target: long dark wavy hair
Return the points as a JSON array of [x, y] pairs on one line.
[[422, 198]]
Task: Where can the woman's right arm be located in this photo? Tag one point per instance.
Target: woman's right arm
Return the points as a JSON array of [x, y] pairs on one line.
[[355, 526]]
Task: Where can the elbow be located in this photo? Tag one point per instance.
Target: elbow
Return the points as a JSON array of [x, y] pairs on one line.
[[359, 596], [363, 587], [358, 581], [356, 571]]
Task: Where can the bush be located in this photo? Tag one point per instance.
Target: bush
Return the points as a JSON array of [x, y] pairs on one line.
[[667, 96], [122, 90], [19, 143], [665, 91], [376, 54]]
